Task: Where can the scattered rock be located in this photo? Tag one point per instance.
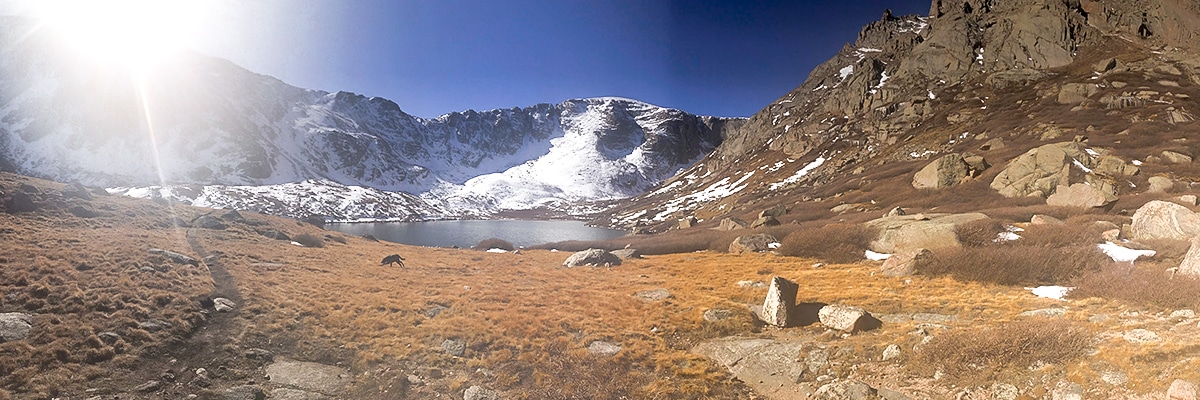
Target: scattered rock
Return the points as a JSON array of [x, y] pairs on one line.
[[847, 318], [1181, 390], [765, 221], [777, 211], [1164, 220], [15, 326], [313, 377], [209, 222], [602, 348], [653, 295], [222, 304], [176, 257], [905, 262], [716, 314], [20, 202], [454, 347], [729, 224], [767, 365], [1042, 219], [890, 352], [626, 254], [154, 325], [846, 390], [754, 243], [82, 211], [1080, 195], [1141, 336], [1160, 184], [149, 386], [780, 302], [949, 170], [480, 393], [1172, 157], [593, 257], [244, 392]]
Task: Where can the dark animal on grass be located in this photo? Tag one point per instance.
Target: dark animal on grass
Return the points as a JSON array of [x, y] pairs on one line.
[[393, 259]]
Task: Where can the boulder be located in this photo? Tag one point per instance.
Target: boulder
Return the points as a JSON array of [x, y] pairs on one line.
[[1042, 219], [777, 211], [1080, 195], [626, 254], [593, 257], [928, 231], [1041, 170], [1172, 157], [847, 318], [15, 326], [949, 170], [454, 347], [729, 224], [76, 190], [1191, 261], [222, 304], [1181, 390], [688, 222], [20, 202], [780, 302], [1075, 93], [1160, 184], [1188, 199], [764, 221], [480, 393], [1164, 220], [209, 222], [906, 262], [752, 243]]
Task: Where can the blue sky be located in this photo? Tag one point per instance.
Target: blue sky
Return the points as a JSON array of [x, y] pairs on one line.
[[727, 58]]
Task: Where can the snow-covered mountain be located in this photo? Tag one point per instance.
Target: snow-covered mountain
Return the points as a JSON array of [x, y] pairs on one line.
[[204, 131]]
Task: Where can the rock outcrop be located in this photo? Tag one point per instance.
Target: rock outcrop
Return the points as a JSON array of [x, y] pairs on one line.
[[949, 170], [919, 231], [1080, 195]]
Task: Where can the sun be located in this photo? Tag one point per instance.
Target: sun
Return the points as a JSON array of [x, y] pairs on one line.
[[134, 33]]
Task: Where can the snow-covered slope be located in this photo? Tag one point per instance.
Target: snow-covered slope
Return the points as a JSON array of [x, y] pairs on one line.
[[201, 121]]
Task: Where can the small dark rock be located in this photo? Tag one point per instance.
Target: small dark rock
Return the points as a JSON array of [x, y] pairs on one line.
[[82, 211], [84, 267], [76, 190], [108, 338], [207, 303], [315, 220]]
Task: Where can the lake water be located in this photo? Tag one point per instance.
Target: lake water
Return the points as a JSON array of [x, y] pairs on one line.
[[470, 233]]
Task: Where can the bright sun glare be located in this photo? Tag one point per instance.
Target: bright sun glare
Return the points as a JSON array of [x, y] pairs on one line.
[[135, 33]]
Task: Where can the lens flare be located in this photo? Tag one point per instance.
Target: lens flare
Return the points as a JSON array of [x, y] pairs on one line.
[[134, 33]]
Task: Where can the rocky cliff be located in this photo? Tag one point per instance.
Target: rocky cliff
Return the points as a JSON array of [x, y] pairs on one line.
[[910, 88]]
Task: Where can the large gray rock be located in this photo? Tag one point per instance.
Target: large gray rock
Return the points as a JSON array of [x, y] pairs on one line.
[[905, 262], [777, 211], [308, 376], [626, 254], [752, 243], [1080, 195], [919, 231], [1164, 220], [949, 170], [15, 326], [847, 318], [593, 257], [1040, 170], [767, 365], [780, 303]]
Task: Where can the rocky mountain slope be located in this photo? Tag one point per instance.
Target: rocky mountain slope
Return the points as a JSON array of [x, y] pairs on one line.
[[201, 121], [993, 79]]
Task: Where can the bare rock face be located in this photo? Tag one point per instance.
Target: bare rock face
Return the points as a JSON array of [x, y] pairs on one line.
[[755, 243], [593, 257], [780, 302], [1080, 195], [1164, 220], [949, 170]]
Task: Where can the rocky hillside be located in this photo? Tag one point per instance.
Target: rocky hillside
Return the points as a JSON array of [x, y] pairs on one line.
[[993, 79], [204, 122]]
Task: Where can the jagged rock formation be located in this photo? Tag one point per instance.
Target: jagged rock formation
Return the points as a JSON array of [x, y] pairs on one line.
[[974, 75]]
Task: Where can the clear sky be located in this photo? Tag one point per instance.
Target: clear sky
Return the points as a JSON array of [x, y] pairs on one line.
[[727, 58]]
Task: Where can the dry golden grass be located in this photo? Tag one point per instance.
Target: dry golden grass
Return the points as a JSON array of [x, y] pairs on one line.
[[979, 356]]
